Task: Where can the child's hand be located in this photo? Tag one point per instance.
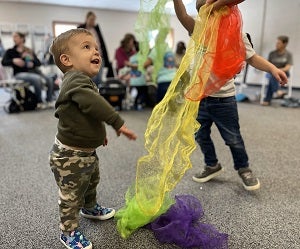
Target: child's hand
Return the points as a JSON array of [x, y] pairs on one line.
[[126, 132], [280, 76]]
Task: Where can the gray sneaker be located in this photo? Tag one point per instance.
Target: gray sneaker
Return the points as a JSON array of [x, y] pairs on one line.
[[250, 182], [208, 173]]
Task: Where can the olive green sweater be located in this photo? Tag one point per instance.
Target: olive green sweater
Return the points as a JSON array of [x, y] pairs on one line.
[[82, 111]]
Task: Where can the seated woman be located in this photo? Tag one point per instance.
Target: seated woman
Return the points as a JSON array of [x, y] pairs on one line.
[[25, 67], [126, 49]]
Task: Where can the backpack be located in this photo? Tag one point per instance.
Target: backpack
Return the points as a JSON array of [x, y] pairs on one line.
[[23, 99]]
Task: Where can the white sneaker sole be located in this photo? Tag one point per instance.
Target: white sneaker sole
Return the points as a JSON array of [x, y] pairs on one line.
[[251, 188], [90, 246], [206, 179], [102, 217]]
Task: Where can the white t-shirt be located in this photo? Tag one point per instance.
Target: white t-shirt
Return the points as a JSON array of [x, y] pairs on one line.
[[228, 89]]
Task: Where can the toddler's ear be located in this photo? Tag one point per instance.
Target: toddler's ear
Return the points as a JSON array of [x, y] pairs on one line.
[[65, 60]]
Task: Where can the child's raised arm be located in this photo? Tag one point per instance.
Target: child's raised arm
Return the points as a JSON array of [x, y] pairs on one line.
[[262, 64], [186, 20]]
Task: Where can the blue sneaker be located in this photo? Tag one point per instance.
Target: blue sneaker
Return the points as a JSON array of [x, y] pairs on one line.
[[98, 213], [75, 240]]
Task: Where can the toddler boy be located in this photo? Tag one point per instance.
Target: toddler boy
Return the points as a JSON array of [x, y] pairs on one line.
[[81, 113]]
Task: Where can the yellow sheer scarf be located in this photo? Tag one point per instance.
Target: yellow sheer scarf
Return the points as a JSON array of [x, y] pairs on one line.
[[169, 137]]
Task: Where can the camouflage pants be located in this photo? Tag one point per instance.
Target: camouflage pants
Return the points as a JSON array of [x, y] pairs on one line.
[[77, 176]]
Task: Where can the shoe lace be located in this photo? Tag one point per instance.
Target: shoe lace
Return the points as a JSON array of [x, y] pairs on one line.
[[77, 238], [80, 239], [206, 170], [103, 210], [247, 175]]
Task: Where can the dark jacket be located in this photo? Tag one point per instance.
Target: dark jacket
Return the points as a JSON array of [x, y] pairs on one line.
[[107, 63], [12, 53], [82, 112]]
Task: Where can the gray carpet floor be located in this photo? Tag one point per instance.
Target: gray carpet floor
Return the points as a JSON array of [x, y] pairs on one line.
[[266, 218]]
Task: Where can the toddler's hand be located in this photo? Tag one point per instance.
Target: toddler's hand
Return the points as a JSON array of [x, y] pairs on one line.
[[126, 132], [280, 76]]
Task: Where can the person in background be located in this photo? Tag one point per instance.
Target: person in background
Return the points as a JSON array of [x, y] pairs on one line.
[[82, 113], [180, 52], [165, 74], [2, 52], [137, 80], [2, 49], [126, 49], [25, 67], [221, 108], [282, 59], [90, 24]]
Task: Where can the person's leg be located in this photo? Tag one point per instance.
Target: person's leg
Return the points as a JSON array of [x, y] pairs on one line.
[[161, 90], [90, 196], [91, 208], [50, 86], [72, 172], [225, 116], [203, 138], [272, 87], [140, 99], [98, 78], [34, 80], [136, 98], [144, 94]]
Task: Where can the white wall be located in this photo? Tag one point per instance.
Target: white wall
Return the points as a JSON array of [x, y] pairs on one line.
[[281, 19], [113, 24]]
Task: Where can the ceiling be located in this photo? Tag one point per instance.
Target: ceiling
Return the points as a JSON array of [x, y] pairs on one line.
[[124, 5]]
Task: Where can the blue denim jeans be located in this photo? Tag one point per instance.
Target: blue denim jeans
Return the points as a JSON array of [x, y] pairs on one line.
[[223, 112], [34, 80], [50, 85], [37, 82], [98, 78], [273, 87], [162, 88]]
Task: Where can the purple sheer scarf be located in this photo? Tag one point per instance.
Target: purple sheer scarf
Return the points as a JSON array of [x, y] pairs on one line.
[[181, 225]]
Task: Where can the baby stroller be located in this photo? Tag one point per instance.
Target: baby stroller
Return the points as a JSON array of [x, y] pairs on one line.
[[22, 98], [114, 91]]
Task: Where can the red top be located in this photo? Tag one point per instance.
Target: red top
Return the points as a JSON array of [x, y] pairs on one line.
[[121, 56]]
